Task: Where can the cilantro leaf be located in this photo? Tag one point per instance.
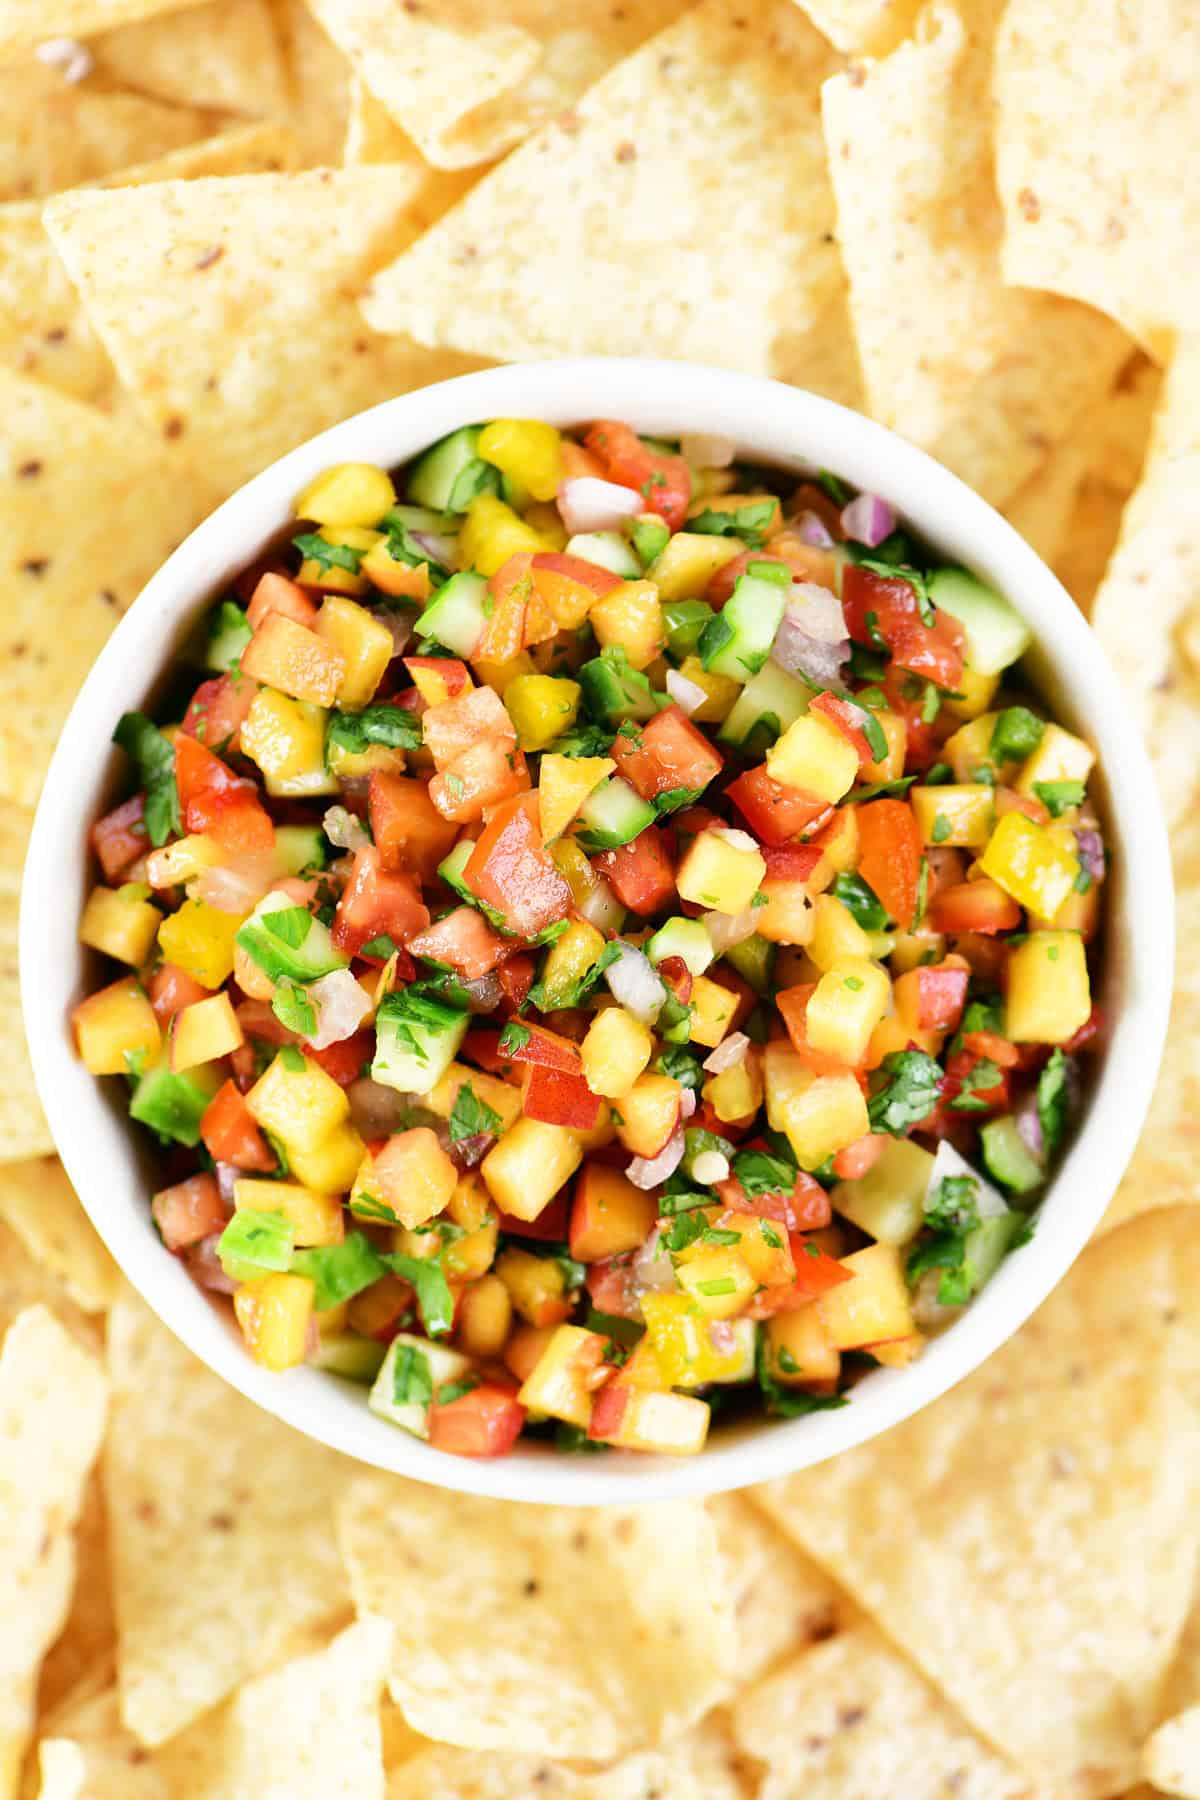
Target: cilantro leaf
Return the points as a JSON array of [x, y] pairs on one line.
[[1058, 796], [953, 1204], [908, 1093], [681, 1066], [674, 799], [860, 901], [514, 1037], [751, 523], [979, 1080], [434, 1300], [412, 1377], [472, 1117], [762, 1173], [784, 1402], [394, 727], [585, 740], [896, 571], [314, 548], [154, 755], [1015, 735], [1054, 1100]]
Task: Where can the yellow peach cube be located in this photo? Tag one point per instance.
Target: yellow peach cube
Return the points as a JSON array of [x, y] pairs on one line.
[[120, 922], [115, 1028], [814, 756]]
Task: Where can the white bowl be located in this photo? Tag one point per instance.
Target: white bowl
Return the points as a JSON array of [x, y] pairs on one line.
[[112, 1170]]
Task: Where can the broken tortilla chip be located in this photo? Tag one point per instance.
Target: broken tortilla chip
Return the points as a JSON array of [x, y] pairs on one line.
[[648, 1580], [224, 53], [317, 79], [1096, 121], [52, 1407], [197, 1478], [781, 1599], [871, 26], [193, 288], [82, 1658], [1016, 1560], [38, 1202], [696, 159], [58, 134], [24, 24], [1171, 1756]]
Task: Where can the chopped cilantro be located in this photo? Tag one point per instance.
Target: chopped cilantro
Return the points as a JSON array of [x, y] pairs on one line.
[[770, 1236], [472, 1117], [155, 759], [681, 1066], [787, 1403], [688, 1227], [939, 774], [718, 1234], [942, 828], [314, 548], [412, 1377], [1054, 1100], [760, 1172], [860, 901], [751, 523], [392, 727], [1015, 735], [674, 799], [903, 572], [514, 1037], [434, 1300], [979, 1080], [908, 1092], [1058, 796], [450, 1391]]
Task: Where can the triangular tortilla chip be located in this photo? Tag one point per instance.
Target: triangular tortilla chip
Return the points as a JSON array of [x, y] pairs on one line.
[[985, 377], [198, 1479], [224, 53], [24, 24], [40, 1205], [646, 1583], [318, 84], [1097, 134], [682, 209], [1031, 1538], [57, 134], [52, 1405], [84, 1652], [512, 70], [781, 1598], [228, 306]]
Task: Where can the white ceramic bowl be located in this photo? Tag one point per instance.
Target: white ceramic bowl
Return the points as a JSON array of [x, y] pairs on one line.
[[113, 1172]]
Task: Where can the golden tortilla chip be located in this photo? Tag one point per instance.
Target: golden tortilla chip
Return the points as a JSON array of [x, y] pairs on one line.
[[220, 1530], [82, 1658], [53, 1398], [512, 71], [985, 377], [89, 508], [41, 1206], [57, 134], [592, 1633], [873, 26], [1171, 1756], [993, 1535], [781, 1599], [25, 1283], [224, 54], [23, 1128], [87, 1754], [24, 24], [853, 1720], [317, 82], [228, 306], [667, 183]]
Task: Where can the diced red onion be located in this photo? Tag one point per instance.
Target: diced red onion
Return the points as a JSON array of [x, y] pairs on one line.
[[687, 695], [948, 1164], [400, 624], [601, 908], [341, 1008], [484, 993], [816, 660], [868, 520], [204, 1266], [652, 1269], [727, 929], [468, 1153], [342, 828], [634, 984], [705, 451], [237, 885], [227, 1174], [729, 1051], [439, 546], [651, 1171], [814, 532], [687, 1102], [817, 610], [377, 1110], [588, 504], [1029, 1126], [1090, 846]]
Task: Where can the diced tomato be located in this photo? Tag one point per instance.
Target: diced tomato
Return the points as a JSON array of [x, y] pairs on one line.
[[845, 718], [483, 776], [560, 1099], [487, 1421], [214, 800], [1091, 1029], [959, 1073], [806, 1208], [450, 670], [217, 711], [377, 903], [516, 977], [464, 940], [509, 590], [975, 906], [119, 838], [774, 813], [678, 977], [345, 1061], [997, 1049], [791, 862], [171, 989], [230, 1134], [463, 721], [409, 831], [664, 482], [858, 1158], [541, 1049], [669, 753], [889, 856], [567, 586], [641, 874], [816, 1273], [189, 1211], [884, 608], [793, 1009], [550, 1226], [608, 1409], [275, 592], [612, 1286], [906, 695], [941, 996], [510, 869]]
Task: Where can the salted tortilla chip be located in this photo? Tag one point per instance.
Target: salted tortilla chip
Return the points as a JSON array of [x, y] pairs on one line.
[[1096, 122], [23, 1128], [199, 1480], [41, 1206], [1171, 1756], [224, 54], [53, 1398], [873, 26], [655, 198], [853, 1720], [89, 507], [57, 134], [781, 1599], [317, 79], [648, 1582], [984, 376], [990, 1535], [228, 306]]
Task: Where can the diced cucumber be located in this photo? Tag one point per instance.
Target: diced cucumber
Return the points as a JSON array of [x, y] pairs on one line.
[[649, 536], [754, 960], [948, 1164], [613, 814], [674, 1022], [451, 473], [685, 621], [1008, 1158], [612, 694], [737, 641], [356, 1358], [996, 633], [987, 1246], [300, 847], [228, 634], [416, 1040], [287, 942], [608, 550], [766, 706], [457, 614], [684, 938], [451, 868], [423, 1368], [174, 1104], [414, 518]]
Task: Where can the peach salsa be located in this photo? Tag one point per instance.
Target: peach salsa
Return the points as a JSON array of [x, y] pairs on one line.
[[605, 940]]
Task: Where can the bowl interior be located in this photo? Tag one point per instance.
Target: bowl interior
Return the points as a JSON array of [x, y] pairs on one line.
[[113, 1173]]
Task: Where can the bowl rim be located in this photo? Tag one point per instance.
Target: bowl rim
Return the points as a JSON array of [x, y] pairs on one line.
[[776, 423]]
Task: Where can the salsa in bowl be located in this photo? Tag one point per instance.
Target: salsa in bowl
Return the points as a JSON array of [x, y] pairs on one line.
[[602, 934]]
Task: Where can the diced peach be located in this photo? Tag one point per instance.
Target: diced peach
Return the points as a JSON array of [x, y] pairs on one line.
[[608, 1214], [649, 1113], [275, 593], [114, 1026], [414, 1175], [294, 660], [205, 1031], [316, 1218], [536, 1286], [274, 1316]]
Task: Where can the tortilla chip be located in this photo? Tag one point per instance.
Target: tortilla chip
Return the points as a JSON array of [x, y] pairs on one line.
[[224, 54], [992, 1534], [221, 1530], [1152, 588], [25, 1283], [318, 84], [89, 507], [853, 1720], [653, 198], [781, 1599], [53, 1398], [871, 26], [40, 1205], [84, 1653], [983, 376], [24, 24], [647, 1581], [228, 307], [57, 134], [23, 1128], [1171, 1756], [1096, 124]]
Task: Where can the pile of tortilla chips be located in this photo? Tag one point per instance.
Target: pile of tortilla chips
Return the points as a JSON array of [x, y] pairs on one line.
[[225, 225]]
